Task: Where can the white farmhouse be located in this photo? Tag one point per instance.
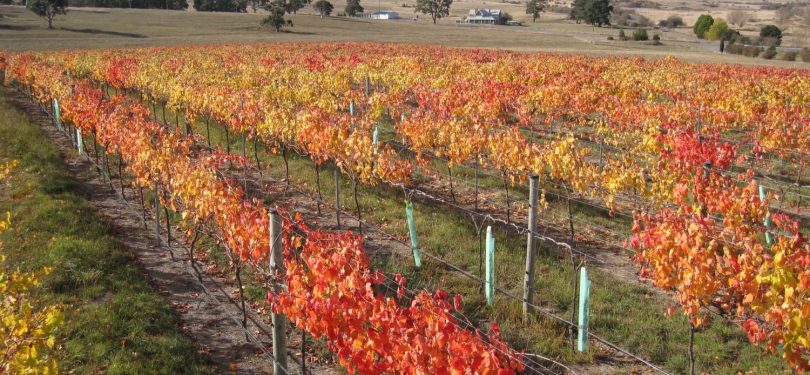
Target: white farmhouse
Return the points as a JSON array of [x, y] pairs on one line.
[[486, 17]]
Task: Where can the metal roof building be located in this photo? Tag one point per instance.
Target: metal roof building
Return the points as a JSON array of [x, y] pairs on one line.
[[383, 15], [485, 16]]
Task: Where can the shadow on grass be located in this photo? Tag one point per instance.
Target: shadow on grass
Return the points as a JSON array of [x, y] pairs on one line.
[[347, 19], [285, 30], [91, 10], [298, 32], [14, 27], [9, 15], [104, 32]]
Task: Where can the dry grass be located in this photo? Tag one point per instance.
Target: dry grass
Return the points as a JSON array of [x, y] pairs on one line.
[[96, 28]]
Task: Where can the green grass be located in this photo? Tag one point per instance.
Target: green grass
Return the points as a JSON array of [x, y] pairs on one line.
[[115, 323], [624, 313]]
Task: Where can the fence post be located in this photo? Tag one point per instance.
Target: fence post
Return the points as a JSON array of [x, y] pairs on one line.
[[57, 116], [531, 246], [417, 257], [584, 307], [767, 217], [79, 141], [278, 270], [337, 195], [489, 290]]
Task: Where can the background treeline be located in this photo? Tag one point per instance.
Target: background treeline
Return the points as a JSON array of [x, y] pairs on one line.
[[141, 4], [200, 5], [161, 4], [221, 5], [290, 6]]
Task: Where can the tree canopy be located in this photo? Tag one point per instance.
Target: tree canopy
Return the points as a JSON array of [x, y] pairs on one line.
[[771, 31], [717, 31], [534, 7], [48, 9], [323, 7], [353, 8], [702, 25], [435, 8], [292, 6], [275, 18], [221, 5], [594, 12]]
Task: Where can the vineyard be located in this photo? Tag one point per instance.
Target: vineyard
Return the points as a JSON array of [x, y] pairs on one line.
[[653, 177]]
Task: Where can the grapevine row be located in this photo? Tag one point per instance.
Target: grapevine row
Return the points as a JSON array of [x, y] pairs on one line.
[[330, 289], [471, 106], [300, 97]]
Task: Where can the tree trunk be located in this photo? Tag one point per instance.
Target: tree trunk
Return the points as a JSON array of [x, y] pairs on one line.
[[318, 183], [242, 298], [450, 178], [286, 168], [357, 205], [508, 208], [691, 349]]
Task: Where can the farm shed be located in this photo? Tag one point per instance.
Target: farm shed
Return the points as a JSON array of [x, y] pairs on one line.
[[382, 15]]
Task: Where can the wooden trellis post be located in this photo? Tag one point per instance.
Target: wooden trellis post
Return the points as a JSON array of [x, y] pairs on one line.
[[278, 270], [531, 245], [368, 86], [337, 195], [157, 213]]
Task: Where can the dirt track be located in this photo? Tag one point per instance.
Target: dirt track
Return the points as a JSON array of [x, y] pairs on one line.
[[210, 318]]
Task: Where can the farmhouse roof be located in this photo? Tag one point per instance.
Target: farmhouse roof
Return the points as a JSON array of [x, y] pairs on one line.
[[483, 12]]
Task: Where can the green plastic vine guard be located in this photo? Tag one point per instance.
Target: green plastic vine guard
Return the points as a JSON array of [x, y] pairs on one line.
[[489, 290], [584, 310], [375, 135], [417, 257], [767, 217], [79, 141], [57, 115]]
